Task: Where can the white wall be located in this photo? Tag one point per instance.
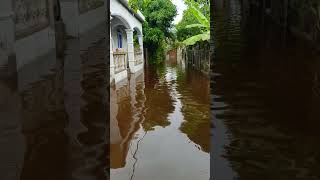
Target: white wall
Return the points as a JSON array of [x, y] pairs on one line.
[[70, 16], [116, 8], [115, 38], [76, 23], [6, 31], [91, 19], [33, 46], [123, 19]]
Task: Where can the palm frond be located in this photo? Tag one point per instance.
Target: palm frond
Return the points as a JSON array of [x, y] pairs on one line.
[[194, 39], [195, 25], [200, 17]]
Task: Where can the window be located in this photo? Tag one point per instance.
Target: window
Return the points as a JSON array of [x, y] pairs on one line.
[[119, 39]]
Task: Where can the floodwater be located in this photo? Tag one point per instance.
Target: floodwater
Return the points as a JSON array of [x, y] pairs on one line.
[[265, 100], [53, 116], [160, 125]]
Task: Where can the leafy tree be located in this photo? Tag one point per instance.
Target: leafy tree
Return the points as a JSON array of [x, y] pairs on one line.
[[201, 26], [202, 5], [184, 33], [136, 4], [159, 16]]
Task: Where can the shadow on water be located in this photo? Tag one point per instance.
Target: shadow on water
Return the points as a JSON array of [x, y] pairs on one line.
[[160, 117], [265, 99], [54, 117]]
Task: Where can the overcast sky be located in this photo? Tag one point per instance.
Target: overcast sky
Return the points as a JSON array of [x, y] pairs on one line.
[[180, 8]]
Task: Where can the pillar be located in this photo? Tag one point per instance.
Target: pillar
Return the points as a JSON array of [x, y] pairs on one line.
[[129, 33], [7, 35], [140, 39], [111, 57], [51, 14]]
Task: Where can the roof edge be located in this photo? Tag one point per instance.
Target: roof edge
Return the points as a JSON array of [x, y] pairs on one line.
[[137, 14]]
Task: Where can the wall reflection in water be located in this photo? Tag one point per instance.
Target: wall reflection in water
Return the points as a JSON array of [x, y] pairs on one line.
[[160, 117], [265, 91], [54, 116]]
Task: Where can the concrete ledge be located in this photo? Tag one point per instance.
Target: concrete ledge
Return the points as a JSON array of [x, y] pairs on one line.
[[91, 19], [94, 35], [138, 67], [36, 45], [120, 76], [35, 70], [121, 83]]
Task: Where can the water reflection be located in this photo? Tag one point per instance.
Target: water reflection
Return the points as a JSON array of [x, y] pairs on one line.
[[264, 99], [54, 117], [43, 123], [155, 131]]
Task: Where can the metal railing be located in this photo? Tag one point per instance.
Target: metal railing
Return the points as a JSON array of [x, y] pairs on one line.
[[120, 61]]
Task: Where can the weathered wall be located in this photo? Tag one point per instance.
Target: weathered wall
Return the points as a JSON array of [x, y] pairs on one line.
[[81, 16], [302, 17], [34, 36], [117, 9], [198, 57]]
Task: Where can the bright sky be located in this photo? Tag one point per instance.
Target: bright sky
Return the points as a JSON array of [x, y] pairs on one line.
[[180, 8]]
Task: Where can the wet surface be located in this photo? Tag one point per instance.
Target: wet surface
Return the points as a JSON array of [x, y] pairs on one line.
[[265, 100], [160, 125], [53, 116]]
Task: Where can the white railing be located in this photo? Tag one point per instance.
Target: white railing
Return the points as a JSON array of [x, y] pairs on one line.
[[120, 61], [138, 57]]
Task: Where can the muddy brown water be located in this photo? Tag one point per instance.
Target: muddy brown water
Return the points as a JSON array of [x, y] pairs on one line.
[[160, 125], [265, 100], [53, 117]]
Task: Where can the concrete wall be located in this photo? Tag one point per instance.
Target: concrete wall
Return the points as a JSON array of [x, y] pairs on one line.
[[30, 42], [122, 19], [70, 16], [7, 34], [114, 35], [117, 9], [91, 19], [34, 46], [77, 23], [301, 17]]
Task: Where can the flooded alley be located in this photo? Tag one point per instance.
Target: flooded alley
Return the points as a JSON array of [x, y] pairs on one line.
[[160, 125], [53, 117], [265, 99]]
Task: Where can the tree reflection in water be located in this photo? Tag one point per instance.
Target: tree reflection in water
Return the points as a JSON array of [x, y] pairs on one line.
[[152, 121]]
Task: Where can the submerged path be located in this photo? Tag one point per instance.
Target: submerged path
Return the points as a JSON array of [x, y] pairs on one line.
[[265, 100], [53, 116], [160, 125]]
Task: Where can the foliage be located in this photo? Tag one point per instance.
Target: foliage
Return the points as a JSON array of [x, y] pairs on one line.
[[196, 38], [136, 4], [136, 40], [202, 5], [195, 26], [159, 15], [187, 19]]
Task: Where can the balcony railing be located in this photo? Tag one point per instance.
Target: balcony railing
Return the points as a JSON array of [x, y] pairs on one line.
[[120, 61], [138, 57]]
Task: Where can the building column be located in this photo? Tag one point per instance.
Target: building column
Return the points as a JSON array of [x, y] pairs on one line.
[[129, 33], [112, 65], [51, 14], [140, 39], [7, 34]]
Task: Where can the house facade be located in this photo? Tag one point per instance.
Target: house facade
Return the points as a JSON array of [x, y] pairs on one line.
[[126, 41], [29, 27]]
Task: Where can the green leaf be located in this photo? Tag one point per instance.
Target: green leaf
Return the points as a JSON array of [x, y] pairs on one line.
[[194, 39], [200, 17], [195, 25]]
